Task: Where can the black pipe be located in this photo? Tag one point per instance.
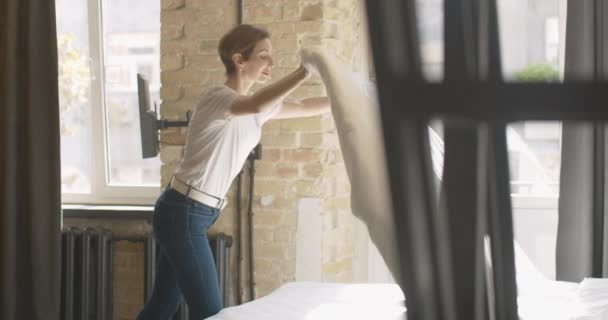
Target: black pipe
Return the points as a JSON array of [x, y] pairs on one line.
[[239, 240], [597, 265], [250, 213], [240, 10], [110, 214]]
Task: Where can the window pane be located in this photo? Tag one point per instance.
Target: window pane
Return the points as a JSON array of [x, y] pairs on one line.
[[530, 45], [430, 26], [529, 32], [74, 95], [131, 34], [530, 42], [535, 158], [534, 155]]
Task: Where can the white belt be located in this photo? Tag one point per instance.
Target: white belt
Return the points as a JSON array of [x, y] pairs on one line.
[[198, 195]]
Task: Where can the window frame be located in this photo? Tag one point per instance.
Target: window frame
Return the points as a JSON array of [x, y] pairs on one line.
[[102, 192]]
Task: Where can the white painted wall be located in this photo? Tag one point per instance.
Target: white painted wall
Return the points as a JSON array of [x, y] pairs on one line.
[[308, 240]]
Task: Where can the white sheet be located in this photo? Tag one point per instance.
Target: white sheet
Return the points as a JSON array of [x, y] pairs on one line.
[[356, 113], [323, 301]]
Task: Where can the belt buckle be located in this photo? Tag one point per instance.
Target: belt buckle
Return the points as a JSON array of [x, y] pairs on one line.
[[222, 203]]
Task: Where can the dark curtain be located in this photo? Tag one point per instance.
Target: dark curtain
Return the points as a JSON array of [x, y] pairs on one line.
[[580, 238], [30, 187]]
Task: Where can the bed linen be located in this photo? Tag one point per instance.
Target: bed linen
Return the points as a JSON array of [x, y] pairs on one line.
[[539, 298], [323, 301]]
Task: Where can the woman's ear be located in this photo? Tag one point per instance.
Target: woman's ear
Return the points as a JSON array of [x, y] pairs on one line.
[[238, 61]]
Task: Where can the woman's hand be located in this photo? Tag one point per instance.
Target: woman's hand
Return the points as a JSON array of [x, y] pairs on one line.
[[304, 70], [310, 59]]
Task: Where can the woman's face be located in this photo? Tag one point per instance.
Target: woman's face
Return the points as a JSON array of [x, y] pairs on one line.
[[257, 67]]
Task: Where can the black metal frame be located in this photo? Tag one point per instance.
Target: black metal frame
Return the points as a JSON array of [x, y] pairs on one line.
[[441, 247], [599, 161]]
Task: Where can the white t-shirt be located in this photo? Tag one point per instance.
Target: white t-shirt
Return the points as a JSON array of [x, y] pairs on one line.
[[217, 146]]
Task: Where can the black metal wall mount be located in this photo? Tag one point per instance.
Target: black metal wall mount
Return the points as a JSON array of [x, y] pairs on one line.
[[149, 124], [163, 124]]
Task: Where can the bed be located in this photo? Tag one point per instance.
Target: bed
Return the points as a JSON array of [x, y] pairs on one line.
[[321, 301], [553, 300], [310, 300], [539, 299]]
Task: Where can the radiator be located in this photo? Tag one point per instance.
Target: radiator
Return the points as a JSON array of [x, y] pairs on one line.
[[86, 274], [220, 245]]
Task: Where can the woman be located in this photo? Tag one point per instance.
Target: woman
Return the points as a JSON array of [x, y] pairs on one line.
[[224, 128]]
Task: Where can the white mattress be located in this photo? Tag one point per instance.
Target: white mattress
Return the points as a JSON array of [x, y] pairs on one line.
[[320, 301]]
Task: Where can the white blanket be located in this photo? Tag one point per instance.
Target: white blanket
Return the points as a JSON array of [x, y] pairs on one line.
[[355, 110], [329, 301], [323, 301]]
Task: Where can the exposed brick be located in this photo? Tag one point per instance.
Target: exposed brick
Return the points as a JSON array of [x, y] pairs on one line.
[[268, 187], [275, 202], [315, 26], [272, 126], [287, 60], [205, 61], [171, 93], [171, 4], [263, 234], [284, 235], [280, 140], [208, 24], [302, 155], [262, 264], [285, 43], [271, 251], [193, 91], [172, 62], [280, 27], [262, 13], [207, 4], [313, 170], [172, 32], [264, 169], [305, 188], [310, 124], [287, 170], [271, 154], [172, 137], [178, 17], [292, 10], [170, 154], [184, 76], [209, 46], [312, 12], [326, 140]]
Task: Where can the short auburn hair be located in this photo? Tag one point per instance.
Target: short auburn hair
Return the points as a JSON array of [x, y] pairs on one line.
[[241, 39]]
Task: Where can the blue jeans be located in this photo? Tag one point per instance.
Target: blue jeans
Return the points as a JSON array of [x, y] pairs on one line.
[[185, 266]]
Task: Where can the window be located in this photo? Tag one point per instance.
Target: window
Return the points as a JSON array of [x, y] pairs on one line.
[[531, 32], [102, 45], [430, 28], [530, 40]]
